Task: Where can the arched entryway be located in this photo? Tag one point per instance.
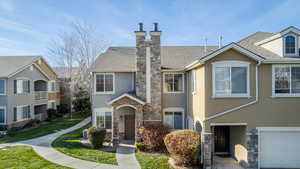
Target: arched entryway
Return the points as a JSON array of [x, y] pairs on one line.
[[127, 122]]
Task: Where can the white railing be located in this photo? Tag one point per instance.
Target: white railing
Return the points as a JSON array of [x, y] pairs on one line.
[[40, 95]]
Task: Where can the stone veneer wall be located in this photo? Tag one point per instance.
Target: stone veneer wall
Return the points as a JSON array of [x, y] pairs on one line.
[[155, 112], [252, 146], [207, 140]]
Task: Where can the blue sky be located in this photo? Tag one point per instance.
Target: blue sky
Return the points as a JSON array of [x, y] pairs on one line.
[[27, 27]]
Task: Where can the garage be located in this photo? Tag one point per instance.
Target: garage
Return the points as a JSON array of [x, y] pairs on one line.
[[279, 147]]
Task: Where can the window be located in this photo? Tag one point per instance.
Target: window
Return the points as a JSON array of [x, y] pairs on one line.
[[52, 86], [194, 81], [21, 113], [286, 80], [104, 83], [104, 120], [290, 45], [230, 79], [2, 87], [2, 115], [174, 119], [52, 104], [21, 86], [173, 82]]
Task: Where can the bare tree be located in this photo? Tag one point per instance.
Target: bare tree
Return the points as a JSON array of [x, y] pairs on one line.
[[76, 50]]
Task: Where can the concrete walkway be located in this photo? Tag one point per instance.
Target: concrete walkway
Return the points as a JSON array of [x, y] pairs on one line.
[[225, 163], [125, 154]]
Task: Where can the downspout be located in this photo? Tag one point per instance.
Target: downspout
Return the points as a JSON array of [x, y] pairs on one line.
[[241, 106]]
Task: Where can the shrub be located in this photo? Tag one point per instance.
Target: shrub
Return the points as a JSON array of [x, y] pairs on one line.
[[183, 146], [51, 114], [63, 109], [96, 136], [140, 146], [82, 102], [153, 135], [31, 123]]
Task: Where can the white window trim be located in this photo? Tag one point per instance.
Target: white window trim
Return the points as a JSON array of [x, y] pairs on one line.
[[296, 46], [49, 86], [173, 73], [95, 81], [3, 107], [175, 109], [103, 109], [274, 95], [22, 107], [49, 103], [194, 81], [3, 94], [230, 64], [23, 78]]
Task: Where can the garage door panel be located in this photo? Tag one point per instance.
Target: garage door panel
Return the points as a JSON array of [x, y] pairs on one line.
[[280, 149]]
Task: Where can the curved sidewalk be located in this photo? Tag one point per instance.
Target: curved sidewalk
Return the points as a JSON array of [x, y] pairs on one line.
[[42, 146]]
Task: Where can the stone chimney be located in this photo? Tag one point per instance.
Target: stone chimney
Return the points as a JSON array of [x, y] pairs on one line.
[[148, 74]]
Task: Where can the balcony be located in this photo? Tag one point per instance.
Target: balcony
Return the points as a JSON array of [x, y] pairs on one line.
[[40, 95], [40, 90]]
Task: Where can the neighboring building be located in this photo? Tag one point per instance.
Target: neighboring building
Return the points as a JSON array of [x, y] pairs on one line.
[[64, 81], [243, 97], [27, 89]]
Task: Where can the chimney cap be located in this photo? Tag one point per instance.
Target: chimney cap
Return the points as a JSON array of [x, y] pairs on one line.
[[141, 27], [155, 27]]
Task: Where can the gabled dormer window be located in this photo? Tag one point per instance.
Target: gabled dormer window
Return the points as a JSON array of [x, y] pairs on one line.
[[290, 45]]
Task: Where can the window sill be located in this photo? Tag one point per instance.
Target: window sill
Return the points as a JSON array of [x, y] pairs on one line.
[[174, 92], [285, 96], [229, 97], [3, 94], [104, 93]]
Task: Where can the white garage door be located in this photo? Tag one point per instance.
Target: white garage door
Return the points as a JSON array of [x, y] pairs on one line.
[[280, 149]]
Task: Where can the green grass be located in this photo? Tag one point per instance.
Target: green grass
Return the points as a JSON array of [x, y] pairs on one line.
[[70, 144], [153, 160], [23, 157], [50, 128]]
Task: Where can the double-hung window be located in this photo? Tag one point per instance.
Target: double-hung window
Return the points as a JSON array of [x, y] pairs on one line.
[[21, 86], [2, 87], [290, 44], [51, 86], [173, 82], [230, 79], [174, 119], [21, 113], [286, 80], [104, 120], [2, 115], [104, 83]]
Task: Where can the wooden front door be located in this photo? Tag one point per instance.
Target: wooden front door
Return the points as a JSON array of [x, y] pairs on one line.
[[222, 139], [129, 127]]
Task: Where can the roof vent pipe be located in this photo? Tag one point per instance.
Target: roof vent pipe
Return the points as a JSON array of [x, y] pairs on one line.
[[220, 41], [205, 45]]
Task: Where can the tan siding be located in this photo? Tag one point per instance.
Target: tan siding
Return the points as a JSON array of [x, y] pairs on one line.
[[53, 96], [267, 112], [46, 69]]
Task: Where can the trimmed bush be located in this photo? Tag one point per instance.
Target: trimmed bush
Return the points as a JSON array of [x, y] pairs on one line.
[[96, 136], [153, 136], [183, 146], [140, 146], [51, 114]]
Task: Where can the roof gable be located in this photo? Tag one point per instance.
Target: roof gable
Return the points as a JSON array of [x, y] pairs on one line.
[[282, 33], [128, 96]]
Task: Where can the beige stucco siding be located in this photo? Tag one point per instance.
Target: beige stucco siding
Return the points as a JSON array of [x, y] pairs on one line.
[[275, 46], [196, 100], [217, 105], [267, 112]]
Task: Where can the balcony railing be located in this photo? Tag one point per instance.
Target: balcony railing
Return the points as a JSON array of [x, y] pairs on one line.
[[40, 95]]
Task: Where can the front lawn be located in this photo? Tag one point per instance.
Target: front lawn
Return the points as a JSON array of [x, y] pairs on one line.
[[153, 160], [50, 128], [24, 157], [70, 144]]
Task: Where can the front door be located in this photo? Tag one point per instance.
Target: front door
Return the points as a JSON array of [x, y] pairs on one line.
[[129, 127], [221, 139]]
